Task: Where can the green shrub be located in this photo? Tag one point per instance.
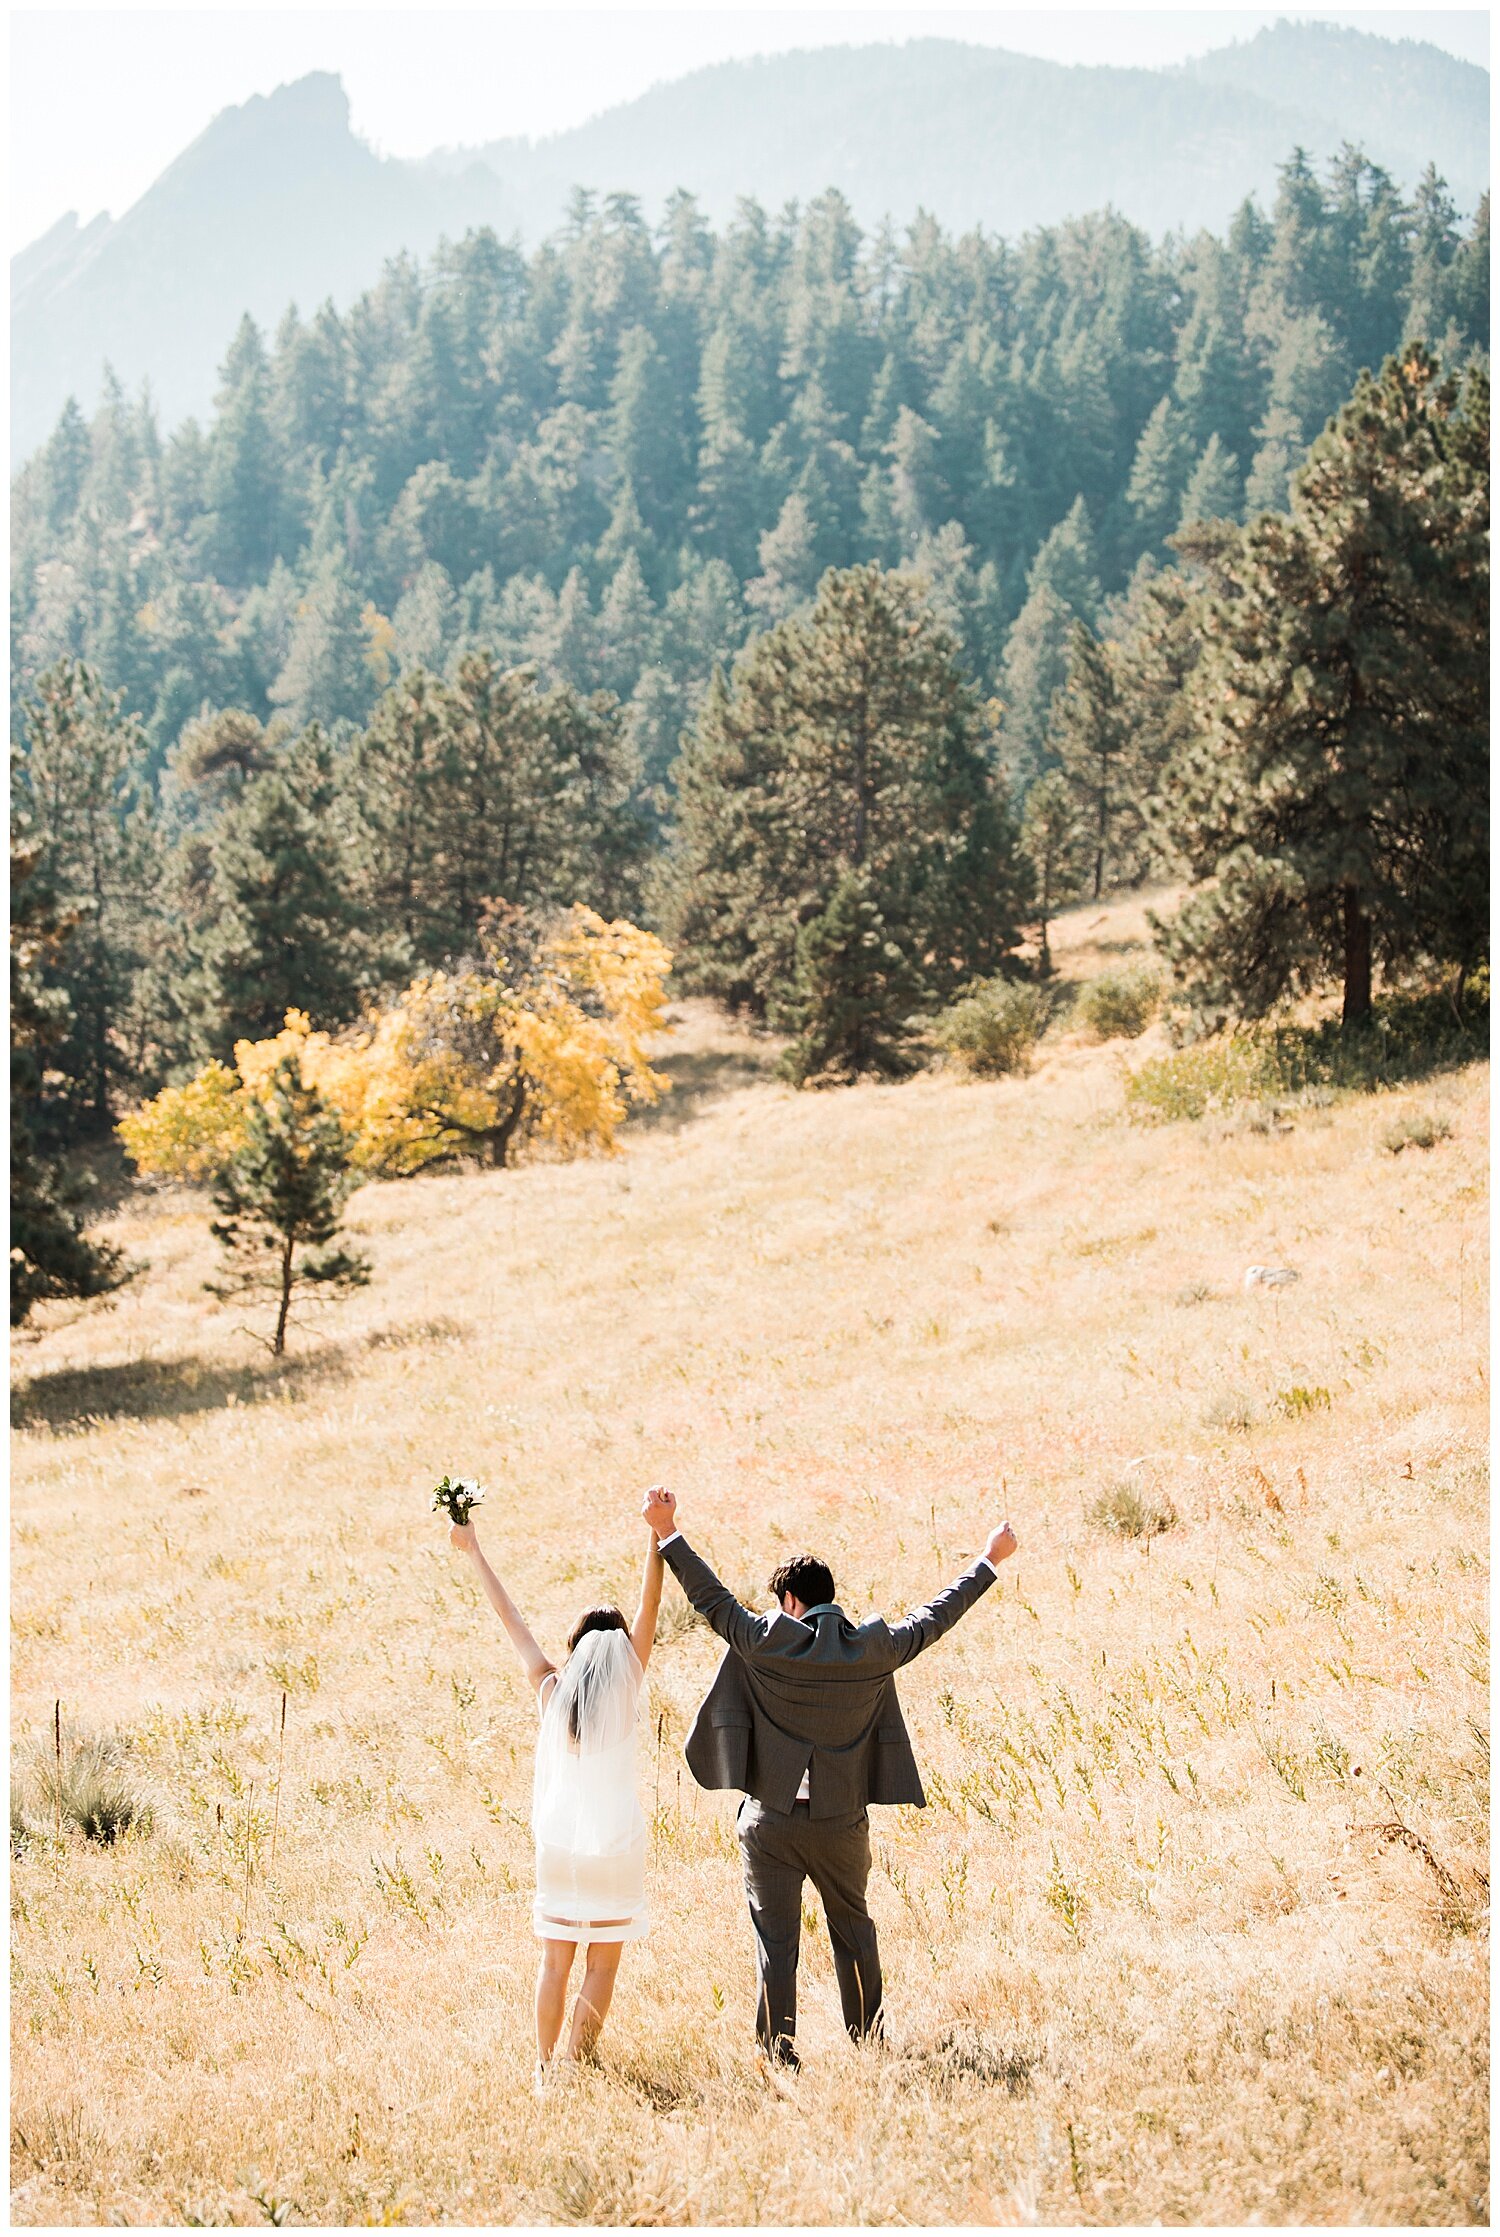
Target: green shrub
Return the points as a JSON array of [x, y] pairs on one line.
[[1415, 1130], [1127, 1513], [993, 1027], [95, 1788], [1410, 1036], [1119, 1005], [20, 1831], [1300, 1400], [1208, 1076]]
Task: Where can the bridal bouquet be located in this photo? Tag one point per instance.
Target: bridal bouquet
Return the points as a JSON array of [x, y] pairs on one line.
[[457, 1498]]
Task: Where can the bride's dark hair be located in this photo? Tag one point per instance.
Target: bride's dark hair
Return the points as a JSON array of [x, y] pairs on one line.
[[592, 1619], [596, 1619]]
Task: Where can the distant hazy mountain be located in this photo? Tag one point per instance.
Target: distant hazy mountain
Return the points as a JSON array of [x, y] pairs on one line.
[[278, 202], [978, 136]]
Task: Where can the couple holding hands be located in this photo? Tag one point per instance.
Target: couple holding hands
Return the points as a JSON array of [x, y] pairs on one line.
[[802, 1717]]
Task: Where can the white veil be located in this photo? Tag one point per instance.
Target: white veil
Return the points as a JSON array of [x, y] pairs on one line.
[[584, 1794]]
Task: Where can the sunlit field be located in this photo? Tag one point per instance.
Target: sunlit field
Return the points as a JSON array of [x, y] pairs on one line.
[[1194, 1926]]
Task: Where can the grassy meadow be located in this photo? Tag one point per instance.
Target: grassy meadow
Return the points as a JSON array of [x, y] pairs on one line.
[[1193, 1929]]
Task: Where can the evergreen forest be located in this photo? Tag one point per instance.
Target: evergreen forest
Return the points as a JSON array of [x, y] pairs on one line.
[[814, 598]]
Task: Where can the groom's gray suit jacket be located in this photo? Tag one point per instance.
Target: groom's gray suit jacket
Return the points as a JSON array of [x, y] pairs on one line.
[[792, 1695]]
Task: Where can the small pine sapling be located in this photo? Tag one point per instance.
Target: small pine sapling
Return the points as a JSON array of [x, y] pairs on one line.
[[280, 1200]]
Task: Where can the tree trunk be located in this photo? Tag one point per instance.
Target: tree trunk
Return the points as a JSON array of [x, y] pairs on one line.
[[499, 1137], [861, 779], [1358, 1002], [279, 1345]]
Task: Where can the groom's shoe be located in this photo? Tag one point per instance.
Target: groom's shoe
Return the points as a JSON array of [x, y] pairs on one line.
[[779, 2061]]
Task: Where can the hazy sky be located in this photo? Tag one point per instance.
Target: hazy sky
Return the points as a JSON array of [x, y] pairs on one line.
[[103, 99]]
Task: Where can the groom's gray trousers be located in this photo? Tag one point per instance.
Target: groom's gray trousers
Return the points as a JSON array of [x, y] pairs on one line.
[[781, 1850]]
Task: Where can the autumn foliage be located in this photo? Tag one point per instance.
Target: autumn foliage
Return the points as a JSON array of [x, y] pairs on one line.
[[540, 1039]]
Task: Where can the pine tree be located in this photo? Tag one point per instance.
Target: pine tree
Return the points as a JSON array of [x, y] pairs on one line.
[[50, 1256], [655, 718], [398, 774], [426, 622], [281, 928], [1332, 805], [65, 466], [703, 621], [965, 599], [628, 633], [645, 431], [242, 477], [1061, 588], [627, 537], [727, 501], [1088, 739], [1033, 672], [80, 781], [1055, 846], [789, 563], [848, 741], [1212, 384], [1067, 564], [707, 888], [280, 1202], [215, 756], [916, 493], [1158, 472], [572, 650], [1468, 289], [1279, 436], [1213, 492], [1310, 373], [538, 807], [328, 676], [433, 521], [1155, 647], [853, 994]]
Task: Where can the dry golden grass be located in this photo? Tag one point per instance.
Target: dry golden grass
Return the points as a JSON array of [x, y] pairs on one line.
[[1159, 1949]]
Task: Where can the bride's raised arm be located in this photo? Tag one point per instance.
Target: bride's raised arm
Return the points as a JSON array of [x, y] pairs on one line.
[[643, 1630], [538, 1668]]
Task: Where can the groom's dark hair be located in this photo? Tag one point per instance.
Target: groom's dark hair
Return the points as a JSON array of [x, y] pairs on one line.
[[806, 1578]]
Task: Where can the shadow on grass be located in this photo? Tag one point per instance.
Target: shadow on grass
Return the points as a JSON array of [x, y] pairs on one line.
[[160, 1389], [701, 1078], [665, 2085], [1410, 1037], [962, 2057]]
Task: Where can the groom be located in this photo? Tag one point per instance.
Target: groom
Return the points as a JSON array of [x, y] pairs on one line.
[[803, 1719]]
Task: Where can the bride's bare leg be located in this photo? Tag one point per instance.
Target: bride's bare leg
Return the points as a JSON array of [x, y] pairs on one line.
[[594, 1993], [552, 1995]]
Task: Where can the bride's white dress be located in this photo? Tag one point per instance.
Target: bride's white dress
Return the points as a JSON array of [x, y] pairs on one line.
[[589, 1826]]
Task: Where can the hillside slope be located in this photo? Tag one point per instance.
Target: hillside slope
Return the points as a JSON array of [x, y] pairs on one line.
[[278, 202], [1160, 1948]]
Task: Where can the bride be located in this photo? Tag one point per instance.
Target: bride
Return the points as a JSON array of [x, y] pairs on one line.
[[589, 1826]]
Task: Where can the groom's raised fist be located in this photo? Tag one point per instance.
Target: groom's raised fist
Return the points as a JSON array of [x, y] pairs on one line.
[[1002, 1543], [659, 1509]]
